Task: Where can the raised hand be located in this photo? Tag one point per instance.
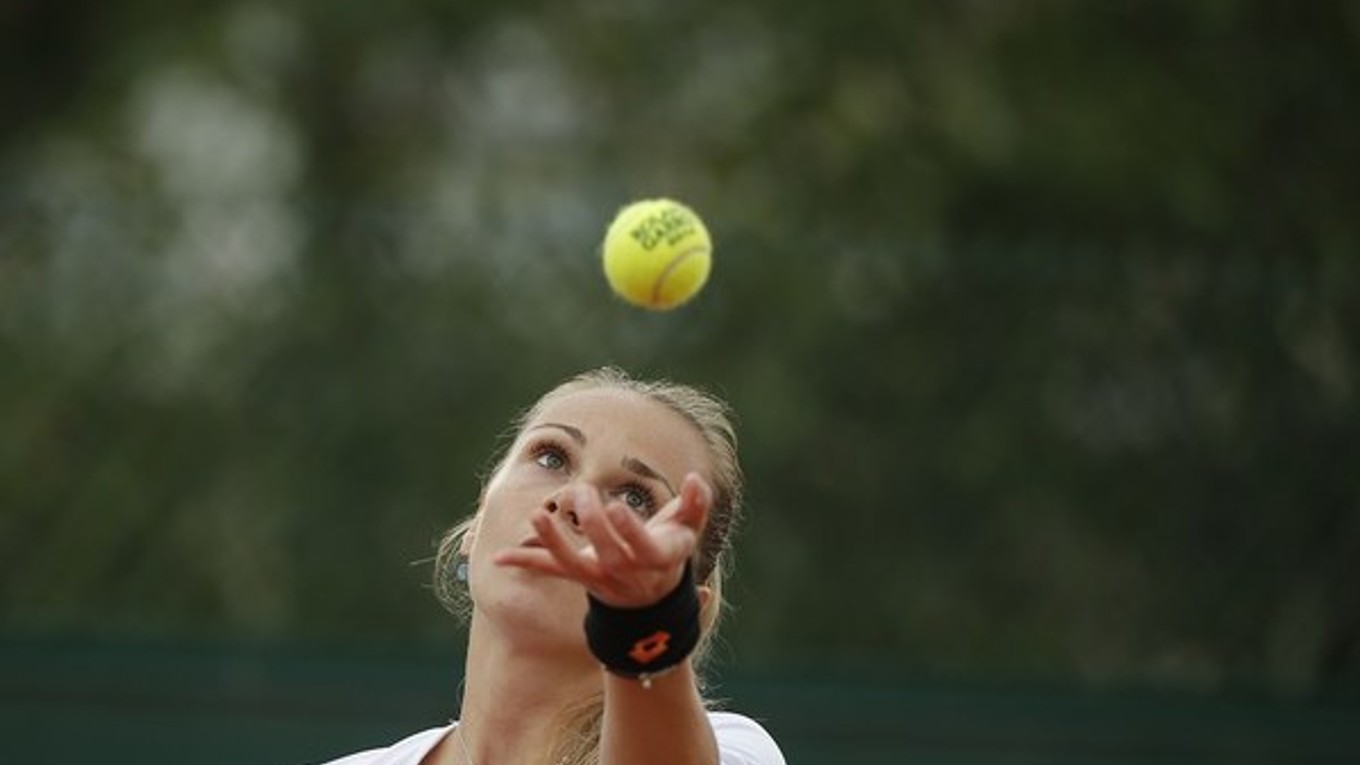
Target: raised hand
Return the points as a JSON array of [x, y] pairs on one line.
[[627, 561]]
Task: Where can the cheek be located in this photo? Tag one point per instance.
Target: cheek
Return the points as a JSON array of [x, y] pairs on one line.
[[498, 515], [494, 482]]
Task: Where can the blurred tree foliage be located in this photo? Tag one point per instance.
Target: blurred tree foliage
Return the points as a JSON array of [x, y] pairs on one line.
[[1040, 318]]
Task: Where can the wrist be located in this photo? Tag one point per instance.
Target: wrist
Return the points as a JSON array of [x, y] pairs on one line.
[[643, 643]]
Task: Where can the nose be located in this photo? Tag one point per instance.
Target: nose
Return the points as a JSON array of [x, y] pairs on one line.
[[563, 502]]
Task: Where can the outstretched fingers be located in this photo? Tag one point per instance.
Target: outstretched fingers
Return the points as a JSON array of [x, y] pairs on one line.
[[612, 550], [625, 559], [669, 537]]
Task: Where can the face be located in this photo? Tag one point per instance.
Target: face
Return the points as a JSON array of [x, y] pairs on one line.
[[618, 444]]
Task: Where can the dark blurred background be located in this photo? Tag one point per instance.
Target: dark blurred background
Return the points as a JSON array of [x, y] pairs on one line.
[[1041, 321]]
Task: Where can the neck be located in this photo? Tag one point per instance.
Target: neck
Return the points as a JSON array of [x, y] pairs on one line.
[[514, 695]]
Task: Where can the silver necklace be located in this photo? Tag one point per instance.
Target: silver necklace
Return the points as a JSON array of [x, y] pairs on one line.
[[462, 742], [467, 756]]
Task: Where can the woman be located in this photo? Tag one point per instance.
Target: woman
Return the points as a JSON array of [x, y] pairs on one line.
[[610, 509]]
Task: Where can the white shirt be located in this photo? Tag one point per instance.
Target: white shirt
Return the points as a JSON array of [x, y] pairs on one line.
[[741, 741]]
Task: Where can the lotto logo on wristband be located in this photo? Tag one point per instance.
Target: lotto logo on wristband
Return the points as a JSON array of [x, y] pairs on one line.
[[648, 649], [670, 628]]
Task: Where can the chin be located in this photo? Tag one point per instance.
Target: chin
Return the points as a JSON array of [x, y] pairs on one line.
[[536, 605]]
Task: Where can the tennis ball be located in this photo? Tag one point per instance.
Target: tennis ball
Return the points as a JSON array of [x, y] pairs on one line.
[[657, 254]]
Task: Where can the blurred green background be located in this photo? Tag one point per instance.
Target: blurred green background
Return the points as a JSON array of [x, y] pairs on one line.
[[1041, 321]]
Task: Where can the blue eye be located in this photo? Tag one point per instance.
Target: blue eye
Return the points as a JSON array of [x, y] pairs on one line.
[[637, 497], [550, 456]]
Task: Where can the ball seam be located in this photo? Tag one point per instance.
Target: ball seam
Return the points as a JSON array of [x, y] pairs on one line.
[[670, 268]]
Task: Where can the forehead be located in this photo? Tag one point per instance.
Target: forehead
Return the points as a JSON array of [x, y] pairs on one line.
[[632, 423]]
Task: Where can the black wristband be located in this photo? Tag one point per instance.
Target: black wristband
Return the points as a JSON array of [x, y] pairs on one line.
[[641, 642]]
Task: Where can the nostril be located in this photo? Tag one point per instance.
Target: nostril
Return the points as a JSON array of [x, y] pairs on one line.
[[552, 506], [571, 516]]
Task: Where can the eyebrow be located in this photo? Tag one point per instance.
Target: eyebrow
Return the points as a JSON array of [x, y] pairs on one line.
[[575, 433], [631, 464], [638, 466]]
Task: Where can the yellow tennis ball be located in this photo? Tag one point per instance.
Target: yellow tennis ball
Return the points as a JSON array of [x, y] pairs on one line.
[[657, 254]]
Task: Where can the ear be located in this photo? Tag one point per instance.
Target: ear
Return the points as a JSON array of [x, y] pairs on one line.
[[705, 594]]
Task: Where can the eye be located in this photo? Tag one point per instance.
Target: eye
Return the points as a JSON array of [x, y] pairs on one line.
[[638, 498], [549, 455]]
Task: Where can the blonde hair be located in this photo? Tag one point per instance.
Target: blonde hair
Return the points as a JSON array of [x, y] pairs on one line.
[[579, 739]]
